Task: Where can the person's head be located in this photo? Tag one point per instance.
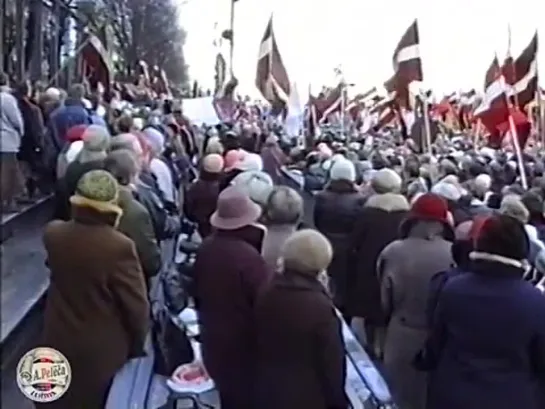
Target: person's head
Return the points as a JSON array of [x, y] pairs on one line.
[[250, 162], [448, 191], [234, 210], [534, 203], [214, 146], [24, 89], [342, 170], [501, 239], [96, 196], [512, 206], [124, 124], [306, 252], [77, 92], [284, 206], [96, 141], [232, 159], [257, 184], [428, 216], [122, 164], [156, 141], [4, 79], [386, 181], [212, 164]]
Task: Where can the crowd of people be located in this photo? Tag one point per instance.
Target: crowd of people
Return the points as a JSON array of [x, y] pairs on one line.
[[437, 263]]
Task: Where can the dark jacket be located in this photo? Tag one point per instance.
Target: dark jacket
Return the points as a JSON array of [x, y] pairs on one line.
[[376, 226], [32, 142], [487, 341], [66, 187], [228, 273], [201, 200], [166, 224], [335, 211], [300, 351], [135, 223]]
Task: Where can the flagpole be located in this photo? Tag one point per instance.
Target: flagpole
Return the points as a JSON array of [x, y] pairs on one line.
[[232, 42], [427, 127]]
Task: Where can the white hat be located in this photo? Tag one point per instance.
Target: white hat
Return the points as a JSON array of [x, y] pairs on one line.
[[250, 162], [342, 169], [257, 184]]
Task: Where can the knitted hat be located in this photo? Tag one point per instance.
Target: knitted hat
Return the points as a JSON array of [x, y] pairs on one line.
[[212, 163], [98, 190], [503, 239], [342, 169], [96, 141], [428, 207], [258, 185], [386, 181]]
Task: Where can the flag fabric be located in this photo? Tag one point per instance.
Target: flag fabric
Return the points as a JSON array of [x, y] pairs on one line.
[[97, 64], [494, 108], [526, 77], [407, 65], [271, 77], [355, 106]]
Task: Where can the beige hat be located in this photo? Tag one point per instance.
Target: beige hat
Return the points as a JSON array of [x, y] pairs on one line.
[[307, 251], [212, 163]]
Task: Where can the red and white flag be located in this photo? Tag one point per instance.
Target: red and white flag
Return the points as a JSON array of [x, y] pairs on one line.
[[494, 108], [407, 64], [271, 77], [526, 76], [97, 65]]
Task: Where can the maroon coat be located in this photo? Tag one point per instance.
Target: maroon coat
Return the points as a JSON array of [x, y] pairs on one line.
[[201, 200], [228, 273], [377, 225], [300, 350]]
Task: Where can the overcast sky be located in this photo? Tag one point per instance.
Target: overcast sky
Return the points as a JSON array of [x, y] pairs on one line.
[[458, 38]]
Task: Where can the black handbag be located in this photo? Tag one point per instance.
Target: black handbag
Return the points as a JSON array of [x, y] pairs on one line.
[[171, 344]]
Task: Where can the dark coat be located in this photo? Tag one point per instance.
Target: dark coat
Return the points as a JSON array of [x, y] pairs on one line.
[[66, 187], [376, 226], [201, 200], [487, 341], [32, 142], [300, 351], [97, 311], [335, 211], [136, 224], [273, 160], [228, 273]]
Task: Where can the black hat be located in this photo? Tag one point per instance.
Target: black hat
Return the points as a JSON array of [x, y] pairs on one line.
[[503, 236]]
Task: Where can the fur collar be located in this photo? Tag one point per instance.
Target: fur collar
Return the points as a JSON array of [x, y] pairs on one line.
[[477, 255], [389, 202]]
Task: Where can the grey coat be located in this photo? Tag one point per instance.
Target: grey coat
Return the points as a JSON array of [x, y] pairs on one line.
[[11, 123], [273, 242], [405, 268]]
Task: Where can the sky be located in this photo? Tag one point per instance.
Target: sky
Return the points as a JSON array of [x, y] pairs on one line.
[[458, 38]]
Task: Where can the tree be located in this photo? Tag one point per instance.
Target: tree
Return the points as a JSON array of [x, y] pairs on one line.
[[149, 30]]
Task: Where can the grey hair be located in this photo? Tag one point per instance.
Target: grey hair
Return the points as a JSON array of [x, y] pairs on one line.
[[122, 164], [306, 251], [126, 141], [284, 206], [77, 91], [511, 205], [214, 146]]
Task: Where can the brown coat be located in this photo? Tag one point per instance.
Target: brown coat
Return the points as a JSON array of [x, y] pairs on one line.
[[97, 313], [300, 351]]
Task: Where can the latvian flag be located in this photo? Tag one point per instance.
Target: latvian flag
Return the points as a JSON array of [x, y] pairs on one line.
[[329, 104], [97, 66], [494, 108], [272, 78], [525, 75], [407, 64]]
